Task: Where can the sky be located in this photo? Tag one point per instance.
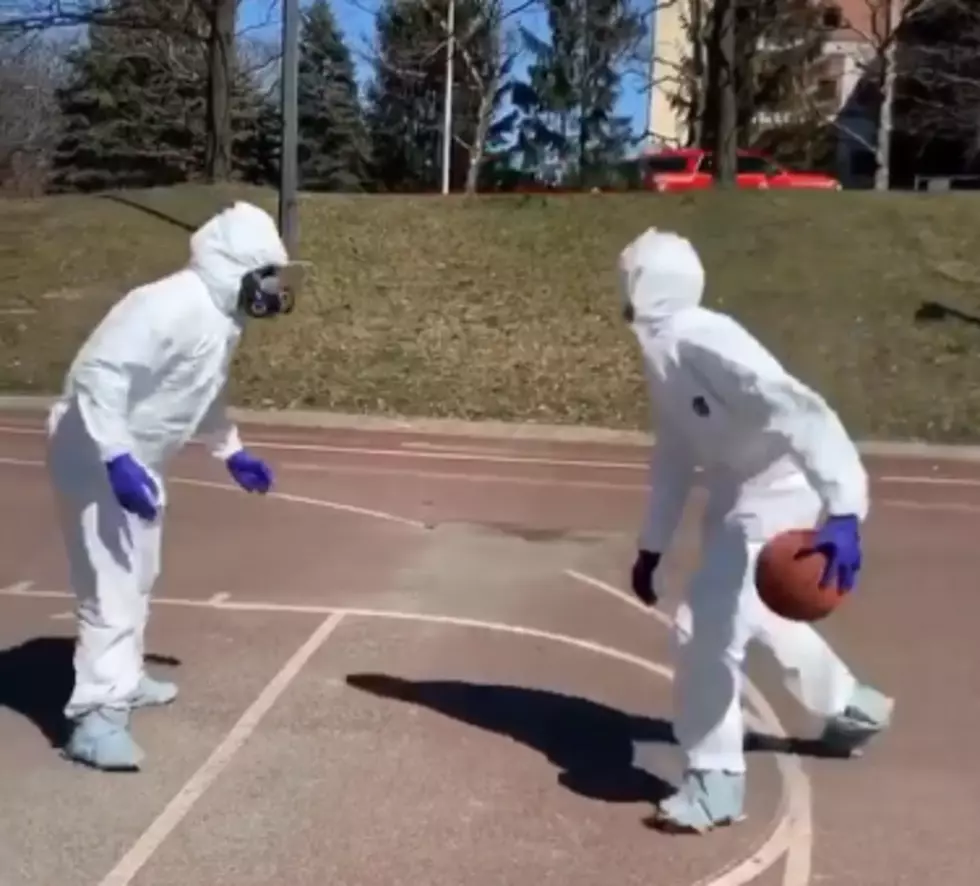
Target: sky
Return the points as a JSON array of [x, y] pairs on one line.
[[261, 19]]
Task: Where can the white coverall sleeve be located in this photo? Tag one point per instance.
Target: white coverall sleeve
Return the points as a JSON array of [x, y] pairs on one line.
[[671, 478], [101, 380], [774, 401], [218, 432]]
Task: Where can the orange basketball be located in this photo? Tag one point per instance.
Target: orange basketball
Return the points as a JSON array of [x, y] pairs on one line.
[[787, 576]]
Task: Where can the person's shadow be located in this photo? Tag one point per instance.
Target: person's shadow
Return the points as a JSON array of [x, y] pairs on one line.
[[36, 680], [591, 744]]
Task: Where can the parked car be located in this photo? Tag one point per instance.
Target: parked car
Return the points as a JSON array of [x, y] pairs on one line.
[[689, 169]]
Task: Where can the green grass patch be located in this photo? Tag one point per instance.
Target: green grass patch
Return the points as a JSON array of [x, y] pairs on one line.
[[506, 307]]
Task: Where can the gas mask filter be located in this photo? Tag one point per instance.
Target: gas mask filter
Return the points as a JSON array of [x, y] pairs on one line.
[[267, 292]]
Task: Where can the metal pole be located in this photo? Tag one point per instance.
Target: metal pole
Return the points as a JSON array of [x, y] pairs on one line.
[[447, 102], [288, 206]]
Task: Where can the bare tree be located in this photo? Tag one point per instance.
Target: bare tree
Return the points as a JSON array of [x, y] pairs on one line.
[[486, 72], [485, 47], [882, 27], [30, 69]]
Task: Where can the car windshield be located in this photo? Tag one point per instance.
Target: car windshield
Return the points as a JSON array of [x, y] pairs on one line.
[[749, 164], [670, 163]]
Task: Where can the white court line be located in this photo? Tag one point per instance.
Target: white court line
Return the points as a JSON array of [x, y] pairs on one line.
[[178, 808], [571, 483], [930, 481], [216, 599], [457, 454], [737, 874], [458, 477], [941, 507], [795, 830], [280, 496]]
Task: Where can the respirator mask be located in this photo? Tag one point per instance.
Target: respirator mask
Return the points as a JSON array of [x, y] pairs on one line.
[[270, 291]]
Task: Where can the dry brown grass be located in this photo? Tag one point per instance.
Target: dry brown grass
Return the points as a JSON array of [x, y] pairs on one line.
[[506, 307]]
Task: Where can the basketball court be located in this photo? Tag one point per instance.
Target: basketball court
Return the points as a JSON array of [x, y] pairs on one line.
[[416, 663]]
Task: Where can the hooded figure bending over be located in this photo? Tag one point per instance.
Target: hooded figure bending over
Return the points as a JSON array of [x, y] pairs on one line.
[[775, 456], [151, 376]]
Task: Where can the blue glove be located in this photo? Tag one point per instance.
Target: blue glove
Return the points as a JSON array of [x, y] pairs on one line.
[[249, 472], [840, 540], [133, 486]]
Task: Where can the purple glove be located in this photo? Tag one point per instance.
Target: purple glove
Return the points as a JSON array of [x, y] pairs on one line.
[[840, 540], [249, 472], [133, 486]]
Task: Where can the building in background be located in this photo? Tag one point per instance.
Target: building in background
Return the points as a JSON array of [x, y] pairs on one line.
[[837, 91], [667, 124]]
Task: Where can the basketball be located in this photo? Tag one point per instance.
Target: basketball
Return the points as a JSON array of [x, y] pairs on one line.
[[787, 576]]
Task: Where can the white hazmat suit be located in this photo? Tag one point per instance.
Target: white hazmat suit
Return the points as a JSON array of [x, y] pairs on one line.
[[774, 457], [150, 377]]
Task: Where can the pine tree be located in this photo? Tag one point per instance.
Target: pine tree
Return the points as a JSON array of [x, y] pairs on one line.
[[135, 102], [569, 97], [133, 110], [406, 96], [333, 149]]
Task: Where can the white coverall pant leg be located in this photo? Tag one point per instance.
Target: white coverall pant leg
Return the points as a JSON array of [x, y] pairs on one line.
[[721, 615], [114, 560]]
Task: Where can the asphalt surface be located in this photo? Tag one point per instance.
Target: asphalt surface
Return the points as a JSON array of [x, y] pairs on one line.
[[415, 664]]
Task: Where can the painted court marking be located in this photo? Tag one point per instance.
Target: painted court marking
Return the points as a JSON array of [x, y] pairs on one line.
[[178, 808], [734, 874], [901, 504], [281, 496], [794, 833], [463, 453]]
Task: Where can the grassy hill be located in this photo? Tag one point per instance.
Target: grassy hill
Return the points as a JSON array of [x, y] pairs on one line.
[[506, 307]]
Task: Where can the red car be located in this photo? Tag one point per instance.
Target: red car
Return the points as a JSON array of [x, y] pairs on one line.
[[690, 169]]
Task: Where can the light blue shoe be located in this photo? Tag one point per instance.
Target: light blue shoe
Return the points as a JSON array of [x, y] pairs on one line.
[[707, 799], [867, 713], [153, 693], [101, 740]]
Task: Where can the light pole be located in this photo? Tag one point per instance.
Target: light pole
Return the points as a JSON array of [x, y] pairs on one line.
[[288, 208], [447, 101]]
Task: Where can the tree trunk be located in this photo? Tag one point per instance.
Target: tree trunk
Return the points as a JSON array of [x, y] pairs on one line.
[[723, 57], [886, 106], [221, 72], [478, 148], [696, 108]]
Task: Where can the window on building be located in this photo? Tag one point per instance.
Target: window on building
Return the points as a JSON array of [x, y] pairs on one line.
[[827, 90], [863, 164], [832, 17]]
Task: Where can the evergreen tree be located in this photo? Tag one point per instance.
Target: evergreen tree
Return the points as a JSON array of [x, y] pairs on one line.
[[406, 96], [568, 100], [333, 150], [133, 110], [135, 102]]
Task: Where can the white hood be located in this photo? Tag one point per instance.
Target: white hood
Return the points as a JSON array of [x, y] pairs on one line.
[[237, 240], [660, 275]]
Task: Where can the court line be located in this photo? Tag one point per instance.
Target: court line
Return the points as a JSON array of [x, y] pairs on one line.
[[736, 874], [900, 504], [286, 446], [183, 802], [797, 814], [280, 496], [463, 455], [571, 483]]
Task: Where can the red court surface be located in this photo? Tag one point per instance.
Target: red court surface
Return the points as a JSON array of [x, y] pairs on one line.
[[415, 664]]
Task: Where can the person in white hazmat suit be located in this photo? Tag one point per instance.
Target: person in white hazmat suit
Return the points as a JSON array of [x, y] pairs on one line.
[[149, 378], [774, 457]]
